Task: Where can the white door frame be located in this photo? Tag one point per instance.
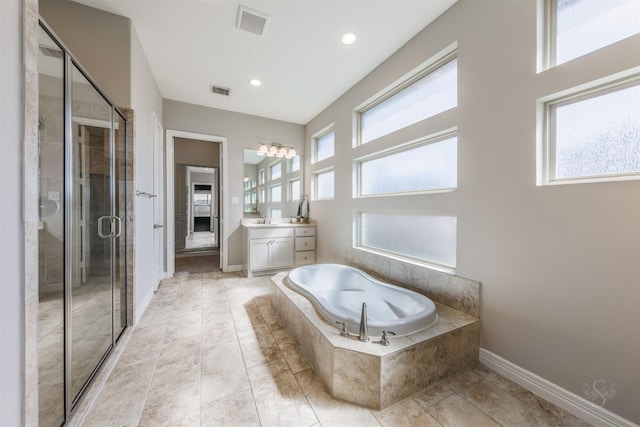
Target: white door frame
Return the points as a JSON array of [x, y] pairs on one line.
[[158, 203], [224, 212]]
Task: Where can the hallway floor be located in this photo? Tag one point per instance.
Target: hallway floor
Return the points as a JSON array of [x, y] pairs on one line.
[[209, 351]]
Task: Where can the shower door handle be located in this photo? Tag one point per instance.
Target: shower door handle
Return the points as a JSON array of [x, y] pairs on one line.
[[101, 227], [118, 227], [114, 232]]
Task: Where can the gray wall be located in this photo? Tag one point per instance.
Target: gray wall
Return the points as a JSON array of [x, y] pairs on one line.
[[146, 102], [11, 232], [559, 265], [242, 131]]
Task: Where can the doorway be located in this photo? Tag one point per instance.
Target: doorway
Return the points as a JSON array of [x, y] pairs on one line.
[[195, 188], [198, 211]]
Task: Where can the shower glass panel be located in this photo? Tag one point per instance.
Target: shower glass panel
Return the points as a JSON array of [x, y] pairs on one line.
[[51, 232], [91, 224]]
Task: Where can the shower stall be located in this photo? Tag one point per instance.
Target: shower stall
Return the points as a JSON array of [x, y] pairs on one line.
[[82, 237]]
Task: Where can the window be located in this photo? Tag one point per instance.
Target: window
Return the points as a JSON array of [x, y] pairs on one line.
[[577, 27], [430, 93], [261, 176], [412, 235], [324, 185], [262, 198], [323, 146], [594, 134], [294, 190], [295, 164], [276, 213], [276, 170], [428, 166], [276, 193]]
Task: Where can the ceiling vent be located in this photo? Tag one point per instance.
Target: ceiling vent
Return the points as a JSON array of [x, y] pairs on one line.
[[251, 20], [220, 90]]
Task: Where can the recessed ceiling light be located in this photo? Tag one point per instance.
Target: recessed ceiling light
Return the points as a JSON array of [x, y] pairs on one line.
[[348, 38], [255, 82]]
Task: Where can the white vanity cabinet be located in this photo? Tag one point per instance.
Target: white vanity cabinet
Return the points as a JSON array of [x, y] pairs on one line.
[[269, 248], [305, 245]]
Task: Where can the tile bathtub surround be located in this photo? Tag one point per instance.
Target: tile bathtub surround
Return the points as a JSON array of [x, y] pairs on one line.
[[216, 377], [370, 374], [453, 291]]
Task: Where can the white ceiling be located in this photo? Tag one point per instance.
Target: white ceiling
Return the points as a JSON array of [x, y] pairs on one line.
[[194, 44]]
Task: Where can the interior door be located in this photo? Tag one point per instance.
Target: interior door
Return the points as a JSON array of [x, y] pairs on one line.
[[180, 204]]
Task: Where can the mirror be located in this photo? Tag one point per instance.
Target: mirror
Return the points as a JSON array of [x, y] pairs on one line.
[[272, 186]]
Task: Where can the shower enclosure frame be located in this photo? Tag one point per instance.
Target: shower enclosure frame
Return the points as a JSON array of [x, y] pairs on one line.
[[116, 227]]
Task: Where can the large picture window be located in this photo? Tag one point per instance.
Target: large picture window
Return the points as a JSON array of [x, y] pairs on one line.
[[425, 96], [431, 165], [594, 135], [414, 235]]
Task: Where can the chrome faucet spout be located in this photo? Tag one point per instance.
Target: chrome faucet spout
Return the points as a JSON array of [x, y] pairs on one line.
[[364, 330]]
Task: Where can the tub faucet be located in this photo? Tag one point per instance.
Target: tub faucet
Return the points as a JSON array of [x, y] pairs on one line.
[[343, 332], [364, 331], [385, 340]]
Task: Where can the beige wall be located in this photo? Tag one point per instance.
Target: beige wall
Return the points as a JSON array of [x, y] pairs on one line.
[[196, 153], [242, 131], [559, 265]]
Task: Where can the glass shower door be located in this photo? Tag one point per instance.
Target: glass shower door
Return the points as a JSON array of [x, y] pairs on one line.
[[93, 225]]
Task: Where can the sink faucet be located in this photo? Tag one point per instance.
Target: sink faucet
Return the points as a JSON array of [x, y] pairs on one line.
[[364, 331]]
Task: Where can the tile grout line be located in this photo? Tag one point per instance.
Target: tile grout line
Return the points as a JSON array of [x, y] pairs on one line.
[[244, 362]]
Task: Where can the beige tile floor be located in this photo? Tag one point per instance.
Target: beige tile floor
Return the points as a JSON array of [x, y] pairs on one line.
[[209, 351]]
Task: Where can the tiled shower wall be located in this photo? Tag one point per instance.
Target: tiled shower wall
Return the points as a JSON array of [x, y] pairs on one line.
[[30, 210]]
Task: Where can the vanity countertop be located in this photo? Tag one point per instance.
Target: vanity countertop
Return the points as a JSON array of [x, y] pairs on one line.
[[253, 223]]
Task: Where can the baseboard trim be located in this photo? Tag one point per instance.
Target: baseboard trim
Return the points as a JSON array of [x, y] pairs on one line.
[[571, 402], [139, 311], [233, 268]]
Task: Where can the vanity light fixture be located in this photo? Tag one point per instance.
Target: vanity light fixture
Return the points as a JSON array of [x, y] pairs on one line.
[[276, 150]]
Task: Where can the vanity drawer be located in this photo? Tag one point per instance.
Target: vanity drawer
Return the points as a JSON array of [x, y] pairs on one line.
[[305, 257], [270, 233], [305, 243], [305, 231]]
